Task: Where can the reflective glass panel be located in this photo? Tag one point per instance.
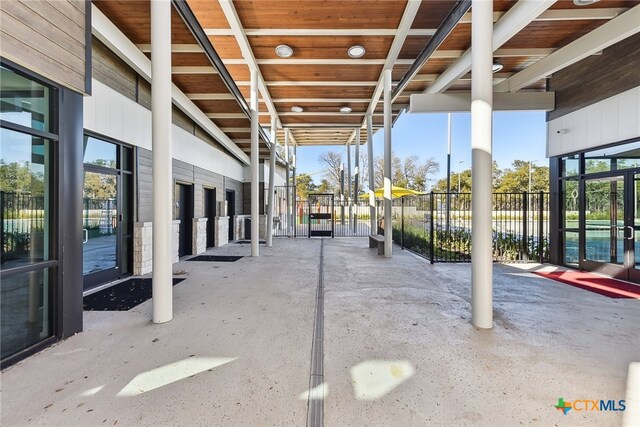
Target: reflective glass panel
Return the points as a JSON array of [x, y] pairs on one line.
[[570, 209], [24, 198], [25, 317], [24, 102], [570, 166], [100, 153]]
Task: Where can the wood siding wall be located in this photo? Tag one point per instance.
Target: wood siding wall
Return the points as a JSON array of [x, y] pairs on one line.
[[47, 37], [186, 174], [246, 200], [597, 77]]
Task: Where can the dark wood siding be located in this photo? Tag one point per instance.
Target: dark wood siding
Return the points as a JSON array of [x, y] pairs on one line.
[[109, 69], [246, 199], [47, 37], [597, 77]]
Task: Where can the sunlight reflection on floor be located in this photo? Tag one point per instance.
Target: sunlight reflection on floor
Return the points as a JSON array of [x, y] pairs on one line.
[[375, 379]]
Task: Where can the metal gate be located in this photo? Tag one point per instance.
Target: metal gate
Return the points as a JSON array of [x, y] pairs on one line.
[[320, 215]]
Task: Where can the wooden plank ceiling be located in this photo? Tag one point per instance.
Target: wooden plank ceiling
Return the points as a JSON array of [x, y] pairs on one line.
[[319, 76]]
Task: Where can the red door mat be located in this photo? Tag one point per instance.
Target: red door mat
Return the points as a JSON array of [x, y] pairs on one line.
[[611, 288]]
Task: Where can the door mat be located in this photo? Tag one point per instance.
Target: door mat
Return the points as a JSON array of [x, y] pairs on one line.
[[121, 297], [248, 242], [611, 288], [216, 258]]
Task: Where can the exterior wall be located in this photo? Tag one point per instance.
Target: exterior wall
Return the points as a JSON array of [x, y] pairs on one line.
[[597, 100], [597, 77], [609, 121], [48, 38], [246, 201]]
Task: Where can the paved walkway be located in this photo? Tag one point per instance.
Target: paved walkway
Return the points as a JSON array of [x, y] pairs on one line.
[[398, 348]]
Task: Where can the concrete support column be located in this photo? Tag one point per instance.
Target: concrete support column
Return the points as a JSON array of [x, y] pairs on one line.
[[481, 141], [162, 281], [255, 159], [356, 180], [388, 232], [372, 197], [349, 181], [286, 178], [272, 175]]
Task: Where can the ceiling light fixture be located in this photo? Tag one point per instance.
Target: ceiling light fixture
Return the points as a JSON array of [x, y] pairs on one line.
[[297, 109], [584, 2], [345, 110], [496, 67], [356, 51], [284, 51]]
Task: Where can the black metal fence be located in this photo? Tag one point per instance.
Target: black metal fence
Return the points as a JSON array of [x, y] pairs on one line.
[[23, 220], [438, 226]]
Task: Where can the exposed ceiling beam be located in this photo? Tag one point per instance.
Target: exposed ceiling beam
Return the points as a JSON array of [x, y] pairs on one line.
[[602, 37], [210, 96], [314, 61], [447, 26], [205, 69], [402, 33], [461, 101], [175, 48], [315, 32], [321, 100], [231, 14], [117, 42], [319, 83], [515, 19], [564, 14], [322, 125]]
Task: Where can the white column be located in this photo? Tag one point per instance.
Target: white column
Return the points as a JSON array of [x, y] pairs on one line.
[[162, 280], [481, 135], [349, 181], [388, 232], [356, 181], [255, 159], [293, 182], [272, 175], [372, 198], [286, 178]]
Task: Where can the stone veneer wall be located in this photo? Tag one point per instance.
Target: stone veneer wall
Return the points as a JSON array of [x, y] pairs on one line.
[[238, 232], [143, 249], [222, 231], [199, 243]]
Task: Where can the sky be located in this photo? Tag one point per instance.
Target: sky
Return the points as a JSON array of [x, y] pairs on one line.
[[516, 136]]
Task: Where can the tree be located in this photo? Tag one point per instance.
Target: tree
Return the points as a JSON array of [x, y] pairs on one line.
[[332, 161], [516, 178], [325, 187], [408, 173], [304, 186]]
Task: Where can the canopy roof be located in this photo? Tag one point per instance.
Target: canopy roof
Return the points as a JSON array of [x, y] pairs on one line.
[[423, 42]]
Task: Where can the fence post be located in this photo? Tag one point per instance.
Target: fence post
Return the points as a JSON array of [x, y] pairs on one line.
[[431, 234], [402, 222], [541, 237], [525, 229]]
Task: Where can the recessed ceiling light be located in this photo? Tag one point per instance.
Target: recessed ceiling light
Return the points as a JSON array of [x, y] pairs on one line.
[[496, 67], [284, 51], [584, 2], [345, 110], [356, 51], [297, 109]]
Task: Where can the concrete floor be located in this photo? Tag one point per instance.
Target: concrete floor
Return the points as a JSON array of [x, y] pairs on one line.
[[398, 348]]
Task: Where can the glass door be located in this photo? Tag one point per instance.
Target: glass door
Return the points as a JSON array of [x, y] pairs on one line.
[[634, 225], [604, 226], [101, 223], [611, 239]]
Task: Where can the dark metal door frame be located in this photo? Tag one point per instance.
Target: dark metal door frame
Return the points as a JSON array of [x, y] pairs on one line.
[[318, 204], [626, 270], [209, 195]]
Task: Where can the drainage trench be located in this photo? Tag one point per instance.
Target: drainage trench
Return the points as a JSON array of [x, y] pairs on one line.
[[315, 403]]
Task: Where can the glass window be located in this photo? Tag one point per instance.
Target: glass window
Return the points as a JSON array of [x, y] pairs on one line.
[[570, 207], [624, 156], [570, 166], [25, 198], [25, 317], [100, 153], [571, 247], [24, 102]]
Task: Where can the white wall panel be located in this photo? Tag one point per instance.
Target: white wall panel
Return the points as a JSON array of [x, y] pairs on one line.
[[605, 122], [111, 114]]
